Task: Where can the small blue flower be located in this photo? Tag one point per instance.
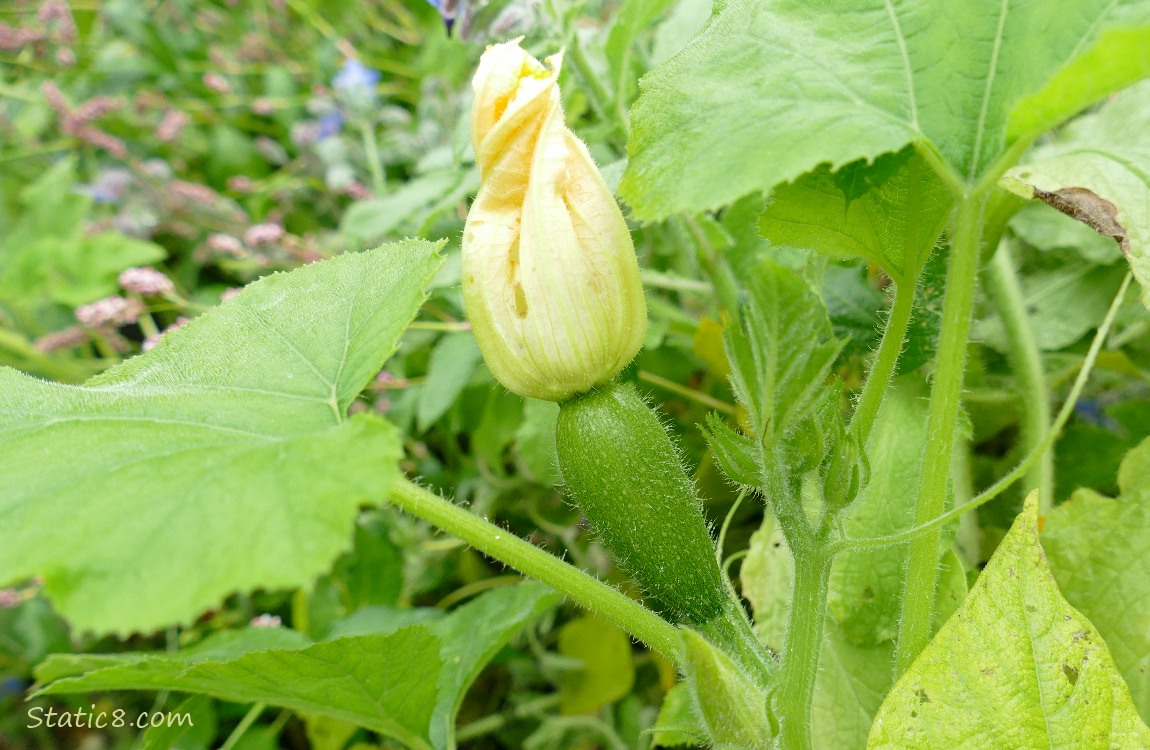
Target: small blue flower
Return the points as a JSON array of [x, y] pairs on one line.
[[330, 124], [12, 686], [355, 77], [355, 89], [1091, 412]]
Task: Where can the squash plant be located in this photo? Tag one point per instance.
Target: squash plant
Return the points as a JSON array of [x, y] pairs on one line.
[[913, 134]]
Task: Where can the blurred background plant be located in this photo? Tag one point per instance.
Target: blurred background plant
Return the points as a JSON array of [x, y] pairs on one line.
[[156, 155]]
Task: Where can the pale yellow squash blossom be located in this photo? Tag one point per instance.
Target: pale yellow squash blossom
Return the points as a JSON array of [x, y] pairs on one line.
[[550, 279]]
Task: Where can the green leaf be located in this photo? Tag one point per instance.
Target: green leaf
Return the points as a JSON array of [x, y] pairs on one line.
[[855, 307], [732, 708], [677, 724], [890, 212], [183, 720], [771, 90], [85, 269], [608, 670], [738, 455], [405, 683], [222, 457], [1099, 173], [385, 683], [781, 351], [632, 19], [866, 585], [1016, 665], [453, 362], [371, 220], [46, 255], [1099, 550], [851, 685], [1062, 304], [535, 441]]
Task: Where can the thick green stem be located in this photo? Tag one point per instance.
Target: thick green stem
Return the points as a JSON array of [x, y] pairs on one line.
[[1025, 465], [525, 557], [801, 650], [1005, 293], [885, 361], [945, 397]]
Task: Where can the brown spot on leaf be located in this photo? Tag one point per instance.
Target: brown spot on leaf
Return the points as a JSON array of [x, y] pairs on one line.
[[1071, 673], [1089, 208]]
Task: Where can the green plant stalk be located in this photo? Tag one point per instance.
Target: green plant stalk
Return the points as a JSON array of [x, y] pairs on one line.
[[603, 103], [945, 397], [244, 725], [1025, 465], [885, 361], [801, 650], [371, 152], [1005, 294], [525, 557]]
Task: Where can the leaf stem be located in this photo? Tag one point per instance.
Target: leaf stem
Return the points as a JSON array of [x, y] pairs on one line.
[[801, 650], [244, 725], [525, 557], [371, 153], [945, 398], [1005, 293], [688, 393], [1024, 466], [604, 104], [885, 361]]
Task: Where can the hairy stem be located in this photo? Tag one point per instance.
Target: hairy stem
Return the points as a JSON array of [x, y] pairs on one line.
[[1025, 465], [1005, 293], [801, 650], [945, 397], [885, 361], [525, 557]]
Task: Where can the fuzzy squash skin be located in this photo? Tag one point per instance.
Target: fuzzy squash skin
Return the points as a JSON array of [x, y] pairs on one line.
[[623, 472]]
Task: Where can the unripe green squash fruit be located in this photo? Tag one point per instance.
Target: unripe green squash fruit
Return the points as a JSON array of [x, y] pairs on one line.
[[622, 471]]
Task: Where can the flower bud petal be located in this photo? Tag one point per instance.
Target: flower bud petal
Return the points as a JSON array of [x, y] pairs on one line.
[[550, 279]]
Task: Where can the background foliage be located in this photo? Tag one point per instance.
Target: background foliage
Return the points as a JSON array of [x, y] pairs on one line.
[[221, 142]]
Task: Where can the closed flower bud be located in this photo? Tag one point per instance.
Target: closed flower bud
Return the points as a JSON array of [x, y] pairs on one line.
[[550, 279]]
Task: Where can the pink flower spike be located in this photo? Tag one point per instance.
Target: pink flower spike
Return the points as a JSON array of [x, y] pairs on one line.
[[261, 234], [146, 281], [110, 311]]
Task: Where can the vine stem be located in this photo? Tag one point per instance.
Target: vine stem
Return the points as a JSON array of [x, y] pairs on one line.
[[1005, 293], [1026, 464], [371, 153], [886, 359], [945, 396], [801, 650], [244, 725], [525, 557]]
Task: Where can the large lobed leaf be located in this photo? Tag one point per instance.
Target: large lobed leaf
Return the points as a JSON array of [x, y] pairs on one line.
[[771, 90], [222, 460], [403, 682], [1099, 549], [1015, 666], [1099, 173], [891, 213]]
